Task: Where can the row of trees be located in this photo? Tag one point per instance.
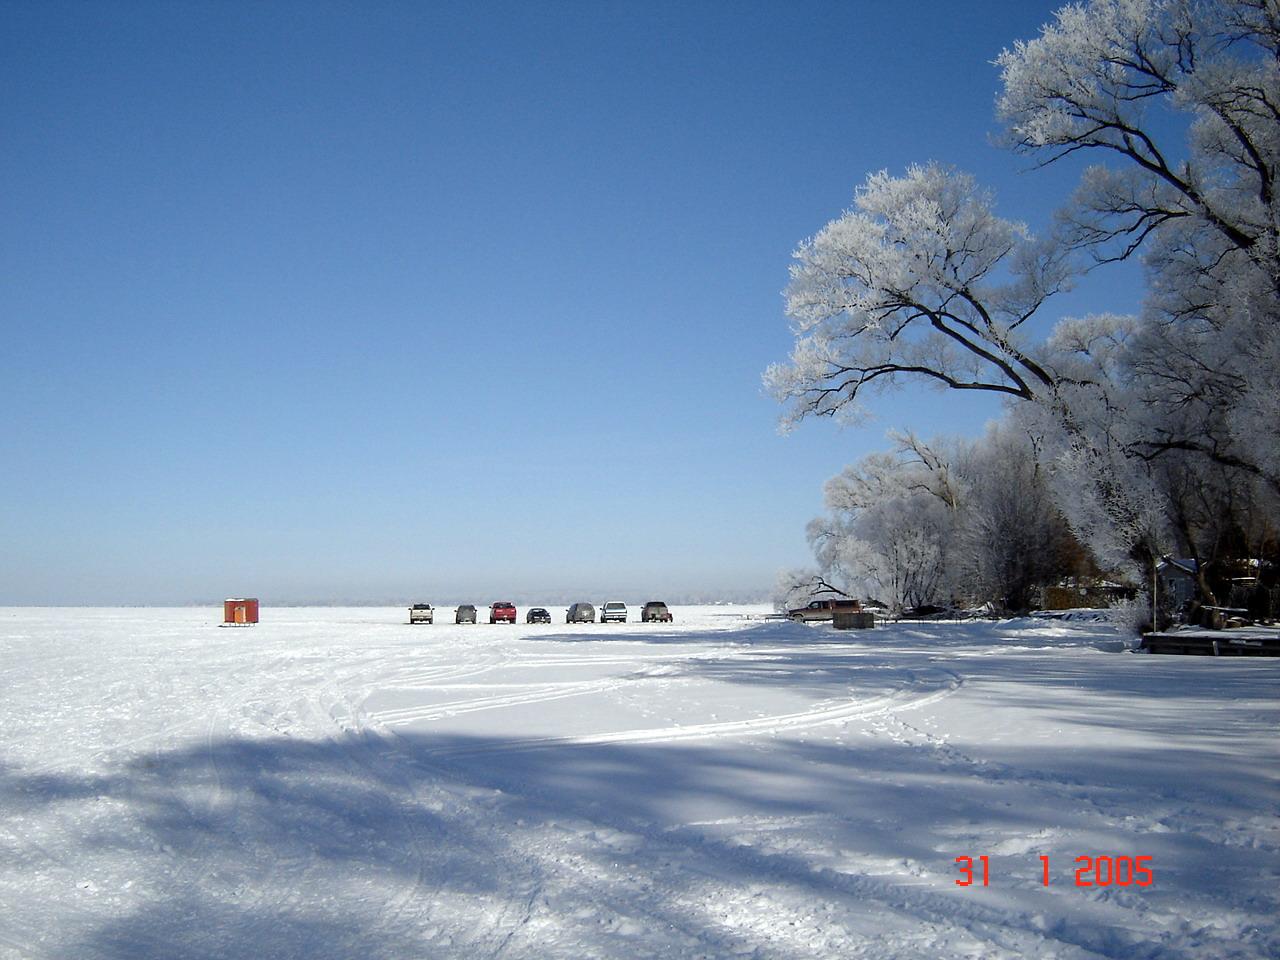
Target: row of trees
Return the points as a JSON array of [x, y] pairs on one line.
[[1125, 438], [930, 524]]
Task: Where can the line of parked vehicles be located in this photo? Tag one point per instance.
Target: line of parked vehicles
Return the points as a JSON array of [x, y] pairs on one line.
[[615, 611]]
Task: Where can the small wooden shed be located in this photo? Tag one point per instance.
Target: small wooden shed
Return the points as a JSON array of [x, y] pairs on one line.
[[853, 620], [239, 612]]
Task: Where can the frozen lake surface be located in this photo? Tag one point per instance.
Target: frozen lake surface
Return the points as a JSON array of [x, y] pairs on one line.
[[335, 783]]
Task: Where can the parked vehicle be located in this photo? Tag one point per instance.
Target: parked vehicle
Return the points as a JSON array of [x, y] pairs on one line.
[[422, 613], [930, 611], [819, 610], [580, 613], [614, 610], [465, 614], [537, 615], [502, 612], [655, 611]]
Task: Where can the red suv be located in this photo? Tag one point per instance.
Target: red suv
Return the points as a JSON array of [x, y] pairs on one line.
[[499, 612]]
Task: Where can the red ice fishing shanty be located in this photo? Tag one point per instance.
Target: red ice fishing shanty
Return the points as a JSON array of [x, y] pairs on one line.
[[239, 612]]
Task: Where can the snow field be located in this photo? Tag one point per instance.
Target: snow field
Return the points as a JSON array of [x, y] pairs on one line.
[[336, 783]]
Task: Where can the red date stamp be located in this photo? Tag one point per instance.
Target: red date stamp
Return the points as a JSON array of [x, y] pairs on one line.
[[1099, 871]]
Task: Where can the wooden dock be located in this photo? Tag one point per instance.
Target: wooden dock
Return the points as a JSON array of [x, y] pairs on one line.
[[1240, 642]]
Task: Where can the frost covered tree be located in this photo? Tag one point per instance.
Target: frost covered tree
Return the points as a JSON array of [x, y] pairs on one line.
[[946, 521], [919, 280], [1102, 80], [1179, 101], [1129, 507], [887, 531], [1093, 81], [1106, 493], [1012, 540]]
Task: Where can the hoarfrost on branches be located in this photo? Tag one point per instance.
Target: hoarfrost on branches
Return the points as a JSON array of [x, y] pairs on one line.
[[1205, 212], [920, 278], [1089, 83]]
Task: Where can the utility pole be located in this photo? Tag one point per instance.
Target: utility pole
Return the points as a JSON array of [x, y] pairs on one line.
[[1155, 595]]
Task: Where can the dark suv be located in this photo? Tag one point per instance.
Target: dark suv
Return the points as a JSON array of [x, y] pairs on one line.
[[502, 612], [537, 615], [465, 614], [580, 613]]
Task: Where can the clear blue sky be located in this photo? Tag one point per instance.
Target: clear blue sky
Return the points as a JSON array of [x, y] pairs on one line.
[[443, 301]]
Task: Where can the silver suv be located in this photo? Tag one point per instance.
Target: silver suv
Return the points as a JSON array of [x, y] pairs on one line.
[[465, 614]]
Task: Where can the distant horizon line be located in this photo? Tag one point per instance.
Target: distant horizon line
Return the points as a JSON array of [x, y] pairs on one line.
[[268, 603]]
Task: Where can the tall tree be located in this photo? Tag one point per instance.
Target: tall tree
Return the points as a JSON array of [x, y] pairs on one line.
[[1098, 81]]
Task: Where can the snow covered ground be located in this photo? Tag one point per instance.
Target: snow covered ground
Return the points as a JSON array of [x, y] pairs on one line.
[[337, 784]]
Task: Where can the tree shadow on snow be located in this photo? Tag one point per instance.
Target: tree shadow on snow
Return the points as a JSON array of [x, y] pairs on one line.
[[439, 846]]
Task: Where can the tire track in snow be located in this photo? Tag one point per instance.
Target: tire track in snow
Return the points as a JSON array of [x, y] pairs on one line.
[[547, 692], [673, 657], [449, 672], [904, 698], [556, 691]]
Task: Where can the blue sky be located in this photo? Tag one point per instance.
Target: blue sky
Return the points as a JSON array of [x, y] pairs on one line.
[[445, 301]]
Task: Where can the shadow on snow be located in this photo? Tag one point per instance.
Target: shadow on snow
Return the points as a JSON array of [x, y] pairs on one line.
[[452, 846], [373, 847]]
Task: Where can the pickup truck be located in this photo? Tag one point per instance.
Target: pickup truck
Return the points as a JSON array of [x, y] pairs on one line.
[[819, 610], [655, 611], [422, 613], [502, 612]]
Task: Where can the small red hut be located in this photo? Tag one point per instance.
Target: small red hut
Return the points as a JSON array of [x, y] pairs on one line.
[[240, 612]]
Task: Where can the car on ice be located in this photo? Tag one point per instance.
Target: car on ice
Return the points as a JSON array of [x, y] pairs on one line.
[[614, 610], [580, 613], [820, 610], [655, 611], [502, 612], [465, 614], [422, 613], [537, 615]]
